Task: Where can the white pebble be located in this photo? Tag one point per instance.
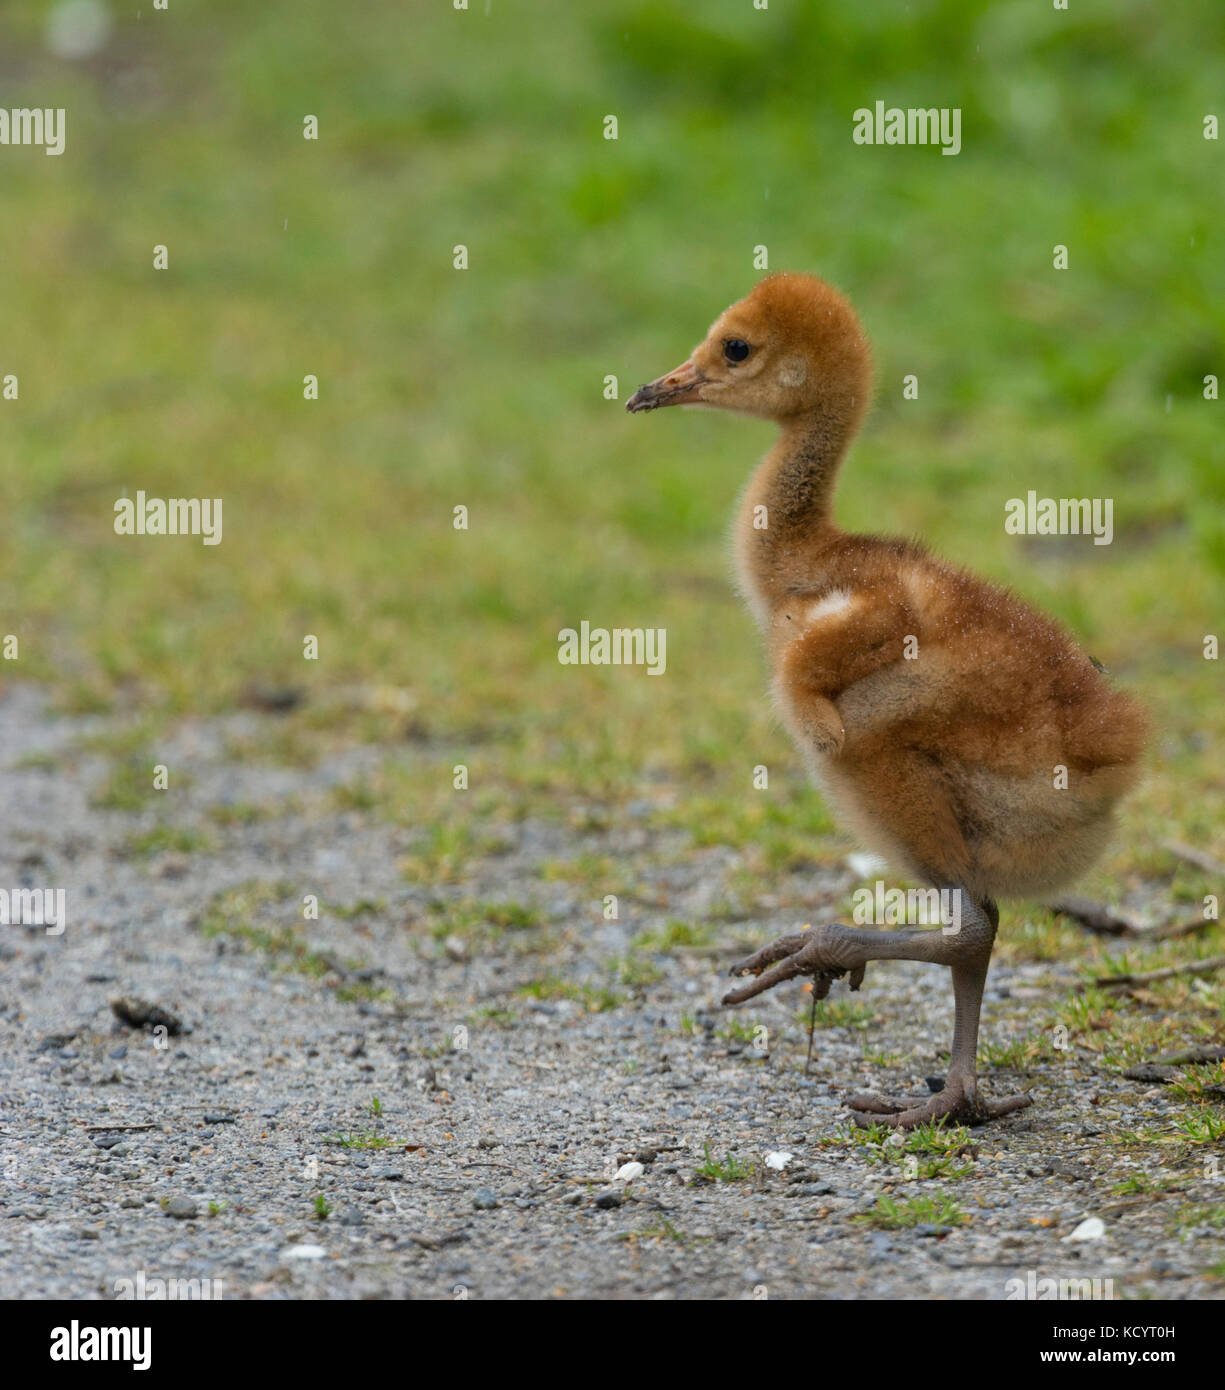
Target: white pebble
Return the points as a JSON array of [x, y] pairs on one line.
[[629, 1171], [1092, 1228], [304, 1252]]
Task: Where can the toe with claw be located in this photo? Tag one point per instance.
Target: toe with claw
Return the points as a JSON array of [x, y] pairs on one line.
[[805, 952], [956, 1102]]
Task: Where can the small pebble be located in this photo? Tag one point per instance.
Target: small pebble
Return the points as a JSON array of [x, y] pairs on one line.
[[1092, 1228]]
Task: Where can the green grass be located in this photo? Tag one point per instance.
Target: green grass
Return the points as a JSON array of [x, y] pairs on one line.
[[594, 999], [673, 934], [933, 1150], [1192, 1082], [360, 1141], [130, 784], [891, 1215], [742, 1030], [635, 973], [729, 1169], [1202, 1126], [240, 915], [1141, 1184], [1190, 1217], [587, 257], [474, 920], [484, 388], [930, 1150], [661, 1231], [854, 1014], [165, 839], [1018, 1053]]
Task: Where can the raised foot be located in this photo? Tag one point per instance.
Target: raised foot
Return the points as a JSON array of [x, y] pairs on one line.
[[900, 1112], [812, 952]]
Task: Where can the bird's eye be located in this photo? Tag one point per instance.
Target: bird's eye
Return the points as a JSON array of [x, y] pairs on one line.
[[735, 349]]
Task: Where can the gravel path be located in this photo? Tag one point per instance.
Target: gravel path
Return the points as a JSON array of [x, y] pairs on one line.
[[488, 1168]]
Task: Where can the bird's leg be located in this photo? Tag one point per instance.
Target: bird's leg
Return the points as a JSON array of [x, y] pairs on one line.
[[829, 952]]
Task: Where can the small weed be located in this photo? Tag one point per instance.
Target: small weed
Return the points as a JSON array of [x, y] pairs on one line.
[[838, 1013], [740, 1030], [500, 1018], [363, 907], [891, 1215], [594, 999], [1017, 1053], [730, 1169], [1202, 1126], [1191, 1218], [39, 761], [1142, 1184], [1193, 1082], [937, 1139], [164, 839], [882, 1059], [665, 1230], [636, 973], [129, 785], [672, 935], [360, 1141]]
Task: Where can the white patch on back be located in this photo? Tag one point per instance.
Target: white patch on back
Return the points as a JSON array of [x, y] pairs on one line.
[[834, 602]]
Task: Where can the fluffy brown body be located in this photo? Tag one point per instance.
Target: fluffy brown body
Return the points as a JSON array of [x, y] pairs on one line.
[[961, 734]]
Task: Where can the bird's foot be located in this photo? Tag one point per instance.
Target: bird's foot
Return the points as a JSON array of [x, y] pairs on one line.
[[811, 952], [869, 1103], [957, 1103]]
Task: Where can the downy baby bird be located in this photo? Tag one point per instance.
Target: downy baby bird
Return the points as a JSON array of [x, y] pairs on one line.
[[935, 709]]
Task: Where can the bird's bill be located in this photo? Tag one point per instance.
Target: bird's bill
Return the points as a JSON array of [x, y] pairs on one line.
[[677, 388]]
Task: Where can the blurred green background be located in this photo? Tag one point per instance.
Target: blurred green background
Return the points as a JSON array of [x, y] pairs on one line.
[[590, 257]]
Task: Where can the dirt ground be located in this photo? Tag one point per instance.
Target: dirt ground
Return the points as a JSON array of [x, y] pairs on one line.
[[366, 1105]]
